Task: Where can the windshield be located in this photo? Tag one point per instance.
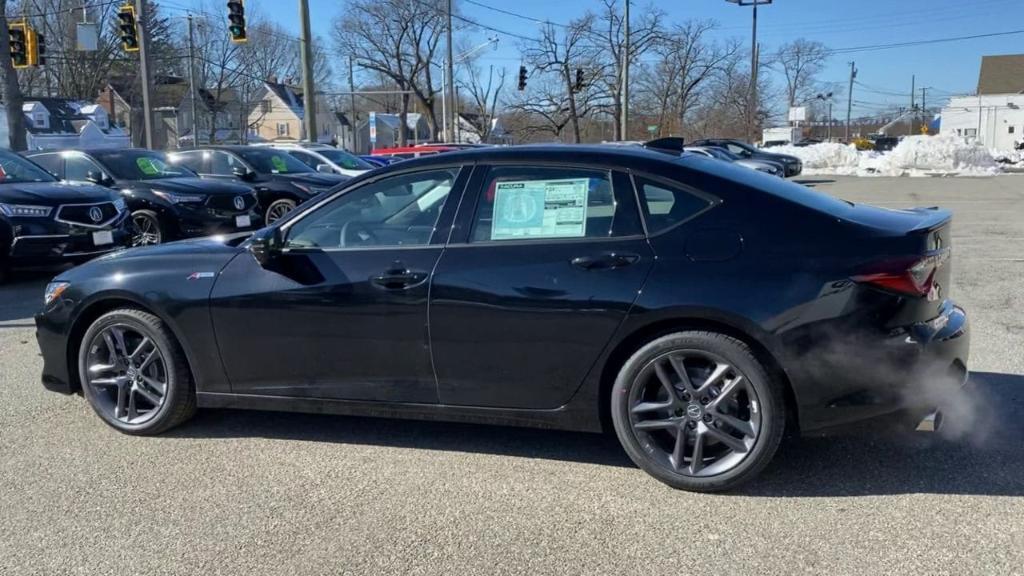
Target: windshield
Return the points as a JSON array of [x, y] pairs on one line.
[[269, 161], [14, 170], [722, 154], [140, 165], [345, 160]]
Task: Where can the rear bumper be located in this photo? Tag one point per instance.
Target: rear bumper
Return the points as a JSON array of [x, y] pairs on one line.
[[912, 369]]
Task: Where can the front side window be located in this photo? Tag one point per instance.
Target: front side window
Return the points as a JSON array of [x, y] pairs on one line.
[[665, 206], [78, 167], [222, 163], [396, 211], [271, 161], [193, 160], [306, 158], [345, 160], [527, 203], [15, 169]]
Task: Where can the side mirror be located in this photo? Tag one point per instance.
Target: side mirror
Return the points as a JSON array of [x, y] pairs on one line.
[[324, 169], [97, 177], [265, 245], [242, 173]]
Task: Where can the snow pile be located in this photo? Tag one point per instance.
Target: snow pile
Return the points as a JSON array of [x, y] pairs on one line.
[[827, 156], [914, 156]]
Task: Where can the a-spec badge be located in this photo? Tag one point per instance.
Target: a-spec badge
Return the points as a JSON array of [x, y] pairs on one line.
[[199, 275]]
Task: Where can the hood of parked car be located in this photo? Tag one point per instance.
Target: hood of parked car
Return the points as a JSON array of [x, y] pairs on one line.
[[189, 185], [52, 194], [314, 178]]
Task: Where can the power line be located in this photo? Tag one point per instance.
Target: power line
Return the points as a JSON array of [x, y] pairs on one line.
[[515, 14], [44, 14], [874, 47]]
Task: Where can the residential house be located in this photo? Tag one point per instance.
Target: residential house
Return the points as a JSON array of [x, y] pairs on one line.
[[53, 123], [122, 100], [994, 116], [219, 113], [278, 115], [387, 131]]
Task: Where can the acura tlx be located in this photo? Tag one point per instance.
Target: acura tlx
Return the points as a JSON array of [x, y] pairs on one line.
[[698, 309]]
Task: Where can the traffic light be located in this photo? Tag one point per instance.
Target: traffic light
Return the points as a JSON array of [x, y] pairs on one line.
[[578, 86], [18, 34], [37, 53], [236, 21], [129, 28], [522, 78]]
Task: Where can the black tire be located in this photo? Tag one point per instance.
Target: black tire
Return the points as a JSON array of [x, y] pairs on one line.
[[278, 209], [766, 391], [179, 402], [150, 218]]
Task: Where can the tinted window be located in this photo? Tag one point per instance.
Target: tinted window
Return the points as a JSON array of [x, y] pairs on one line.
[[522, 203], [270, 161], [139, 165], [77, 168], [345, 160], [222, 163], [397, 211], [15, 169], [305, 158], [665, 206], [52, 162], [193, 160]]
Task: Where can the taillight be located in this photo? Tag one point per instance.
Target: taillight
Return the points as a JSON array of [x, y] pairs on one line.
[[911, 276]]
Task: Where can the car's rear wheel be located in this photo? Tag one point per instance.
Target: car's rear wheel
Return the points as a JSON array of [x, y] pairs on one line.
[[698, 411], [146, 229], [279, 209], [134, 373]]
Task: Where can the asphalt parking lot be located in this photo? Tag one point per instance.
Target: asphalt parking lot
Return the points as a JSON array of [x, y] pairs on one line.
[[267, 493]]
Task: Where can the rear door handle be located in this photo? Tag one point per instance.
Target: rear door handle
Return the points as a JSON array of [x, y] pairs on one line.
[[399, 279], [605, 261]]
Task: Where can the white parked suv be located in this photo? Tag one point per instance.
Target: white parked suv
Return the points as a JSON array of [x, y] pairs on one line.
[[325, 158]]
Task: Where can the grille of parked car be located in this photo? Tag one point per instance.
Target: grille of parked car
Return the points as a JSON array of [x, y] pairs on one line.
[[95, 215], [231, 203]]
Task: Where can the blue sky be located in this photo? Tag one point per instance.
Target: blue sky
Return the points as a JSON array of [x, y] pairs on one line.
[[884, 75]]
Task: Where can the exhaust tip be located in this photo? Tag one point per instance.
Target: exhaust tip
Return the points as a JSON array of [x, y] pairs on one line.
[[930, 423]]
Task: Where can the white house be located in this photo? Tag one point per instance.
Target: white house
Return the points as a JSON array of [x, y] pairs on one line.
[[53, 123], [995, 115]]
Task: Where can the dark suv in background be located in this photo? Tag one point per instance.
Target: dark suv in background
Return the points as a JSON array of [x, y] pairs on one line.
[[45, 222], [167, 202], [281, 181], [793, 165]]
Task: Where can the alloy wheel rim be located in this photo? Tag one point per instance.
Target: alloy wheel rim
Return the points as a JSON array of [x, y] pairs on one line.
[[127, 374], [146, 231], [694, 413], [277, 212]]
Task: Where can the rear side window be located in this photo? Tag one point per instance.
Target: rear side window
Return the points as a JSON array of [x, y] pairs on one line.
[[529, 203], [192, 160], [665, 206], [52, 163]]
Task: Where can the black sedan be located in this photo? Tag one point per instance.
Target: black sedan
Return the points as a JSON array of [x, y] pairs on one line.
[[696, 308], [44, 222], [793, 165], [167, 202], [281, 181]]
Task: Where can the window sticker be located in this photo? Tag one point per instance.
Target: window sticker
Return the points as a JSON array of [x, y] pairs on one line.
[[279, 164], [149, 166], [540, 209]]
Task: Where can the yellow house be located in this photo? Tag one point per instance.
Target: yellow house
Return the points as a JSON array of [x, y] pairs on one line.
[[278, 115]]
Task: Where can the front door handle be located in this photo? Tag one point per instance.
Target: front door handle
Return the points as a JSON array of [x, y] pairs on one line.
[[399, 279], [605, 261]]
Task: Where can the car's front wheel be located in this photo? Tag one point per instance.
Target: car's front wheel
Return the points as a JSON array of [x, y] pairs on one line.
[[698, 411], [134, 374], [146, 229], [279, 209]]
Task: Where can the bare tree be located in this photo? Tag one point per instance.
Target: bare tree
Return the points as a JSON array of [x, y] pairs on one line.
[[608, 31], [483, 96], [400, 40], [800, 62]]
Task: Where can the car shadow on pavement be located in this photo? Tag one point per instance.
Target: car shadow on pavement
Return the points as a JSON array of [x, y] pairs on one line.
[[22, 295], [872, 458]]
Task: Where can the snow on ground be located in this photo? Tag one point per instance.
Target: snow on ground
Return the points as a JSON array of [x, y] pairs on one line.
[[913, 156]]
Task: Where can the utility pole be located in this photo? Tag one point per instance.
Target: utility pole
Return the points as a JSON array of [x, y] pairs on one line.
[[754, 57], [924, 114], [147, 81], [913, 91], [624, 119], [450, 80], [192, 83], [849, 100], [352, 106], [308, 89]]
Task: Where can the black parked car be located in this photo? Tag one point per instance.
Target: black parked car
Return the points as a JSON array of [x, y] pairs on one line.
[[281, 181], [794, 166], [696, 307], [45, 222], [167, 202]]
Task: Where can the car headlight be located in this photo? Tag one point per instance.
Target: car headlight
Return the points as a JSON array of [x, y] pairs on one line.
[[25, 210], [120, 205], [175, 198], [53, 291]]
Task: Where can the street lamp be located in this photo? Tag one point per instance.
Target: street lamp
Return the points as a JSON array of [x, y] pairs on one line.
[[827, 98], [752, 103], [450, 136]]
